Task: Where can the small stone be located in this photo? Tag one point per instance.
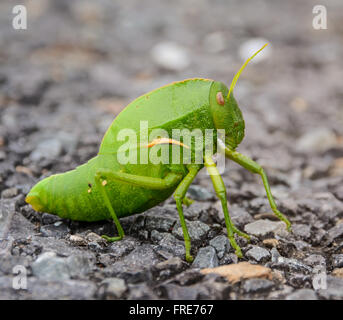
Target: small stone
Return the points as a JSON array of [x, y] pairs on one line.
[[302, 294], [197, 231], [2, 155], [120, 248], [335, 233], [337, 260], [53, 230], [243, 270], [171, 56], [239, 216], [290, 264], [199, 193], [249, 47], [257, 285], [77, 240], [300, 245], [48, 218], [50, 267], [168, 268], [265, 227], [333, 288], [206, 258], [113, 288], [317, 140], [93, 237], [48, 149], [258, 254], [221, 244], [175, 292], [159, 223], [215, 42], [139, 259], [338, 272], [301, 230], [169, 244], [9, 193], [315, 260], [141, 291], [271, 243]]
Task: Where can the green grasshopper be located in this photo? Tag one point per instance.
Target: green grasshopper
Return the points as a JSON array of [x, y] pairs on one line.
[[105, 188]]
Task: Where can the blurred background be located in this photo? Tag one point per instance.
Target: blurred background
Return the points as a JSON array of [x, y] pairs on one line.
[[79, 63]]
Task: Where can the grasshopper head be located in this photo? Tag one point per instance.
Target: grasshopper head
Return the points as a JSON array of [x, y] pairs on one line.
[[225, 111]]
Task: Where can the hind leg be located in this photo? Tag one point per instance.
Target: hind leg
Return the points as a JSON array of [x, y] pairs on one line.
[[104, 175]]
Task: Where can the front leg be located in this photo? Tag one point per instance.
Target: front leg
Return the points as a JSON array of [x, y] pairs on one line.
[[254, 167]]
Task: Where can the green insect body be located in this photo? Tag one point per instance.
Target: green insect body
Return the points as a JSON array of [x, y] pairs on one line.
[[105, 188]]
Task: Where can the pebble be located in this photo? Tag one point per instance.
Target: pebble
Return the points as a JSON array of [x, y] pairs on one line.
[[93, 237], [334, 233], [199, 193], [48, 149], [159, 223], [271, 243], [9, 193], [243, 270], [301, 230], [59, 230], [249, 47], [197, 231], [168, 268], [206, 258], [175, 292], [221, 244], [51, 267], [170, 246], [265, 227], [258, 254], [315, 260], [215, 42], [338, 272], [171, 56], [290, 264], [333, 288], [112, 288], [139, 259], [48, 218], [257, 285], [118, 249], [337, 260], [302, 294], [239, 216], [317, 140], [77, 240]]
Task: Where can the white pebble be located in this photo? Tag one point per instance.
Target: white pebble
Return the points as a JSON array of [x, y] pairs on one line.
[[249, 47], [171, 56]]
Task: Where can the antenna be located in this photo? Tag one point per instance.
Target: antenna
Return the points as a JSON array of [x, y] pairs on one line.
[[235, 78]]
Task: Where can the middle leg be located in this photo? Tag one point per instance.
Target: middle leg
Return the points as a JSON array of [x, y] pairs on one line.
[[220, 189], [179, 196]]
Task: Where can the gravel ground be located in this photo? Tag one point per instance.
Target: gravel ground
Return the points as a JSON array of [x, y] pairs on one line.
[[63, 80]]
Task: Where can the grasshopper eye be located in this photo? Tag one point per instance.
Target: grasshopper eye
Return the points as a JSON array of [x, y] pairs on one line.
[[220, 98]]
